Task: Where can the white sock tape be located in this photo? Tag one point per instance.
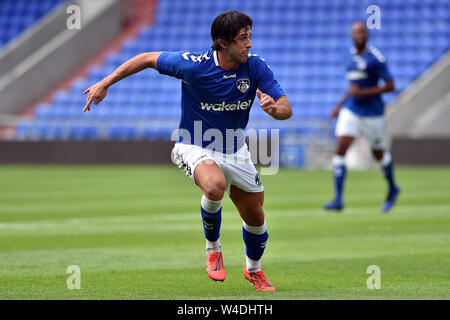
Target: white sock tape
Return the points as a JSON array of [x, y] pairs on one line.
[[210, 206], [255, 229], [338, 160], [387, 159]]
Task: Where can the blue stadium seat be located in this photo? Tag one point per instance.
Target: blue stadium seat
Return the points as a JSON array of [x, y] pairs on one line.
[[121, 133], [23, 130], [18, 15], [81, 132]]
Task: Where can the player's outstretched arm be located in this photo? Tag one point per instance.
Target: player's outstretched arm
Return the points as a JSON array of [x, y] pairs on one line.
[[99, 90], [279, 110], [340, 104]]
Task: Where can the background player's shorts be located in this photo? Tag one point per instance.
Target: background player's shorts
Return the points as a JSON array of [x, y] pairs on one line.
[[352, 125], [237, 168]]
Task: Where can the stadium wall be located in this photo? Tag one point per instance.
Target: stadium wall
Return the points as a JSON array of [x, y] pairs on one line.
[[424, 151], [85, 152], [104, 152]]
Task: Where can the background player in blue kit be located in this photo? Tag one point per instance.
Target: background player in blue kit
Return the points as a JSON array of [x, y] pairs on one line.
[[218, 88], [361, 110]]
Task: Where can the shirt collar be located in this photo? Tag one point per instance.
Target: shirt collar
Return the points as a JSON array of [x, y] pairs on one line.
[[216, 60]]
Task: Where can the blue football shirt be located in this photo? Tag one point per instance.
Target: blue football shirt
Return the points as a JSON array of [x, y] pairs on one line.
[[366, 70], [220, 99]]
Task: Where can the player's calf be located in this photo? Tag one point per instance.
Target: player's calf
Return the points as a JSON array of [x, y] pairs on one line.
[[255, 239], [212, 217]]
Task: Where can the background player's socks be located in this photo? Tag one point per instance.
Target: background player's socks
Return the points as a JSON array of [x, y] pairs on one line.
[[339, 171], [255, 239], [212, 218], [388, 169]]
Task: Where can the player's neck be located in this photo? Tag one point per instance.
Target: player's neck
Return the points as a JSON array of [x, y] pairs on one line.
[[360, 49], [225, 62]]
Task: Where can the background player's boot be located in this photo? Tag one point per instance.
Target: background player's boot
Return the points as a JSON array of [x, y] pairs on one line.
[[214, 266], [259, 280], [391, 199], [336, 204]]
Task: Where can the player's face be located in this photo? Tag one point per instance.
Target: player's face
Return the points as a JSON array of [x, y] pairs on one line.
[[240, 46], [359, 34]]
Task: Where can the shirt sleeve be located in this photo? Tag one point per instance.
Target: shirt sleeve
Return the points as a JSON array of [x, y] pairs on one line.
[[266, 81], [383, 71], [177, 64]]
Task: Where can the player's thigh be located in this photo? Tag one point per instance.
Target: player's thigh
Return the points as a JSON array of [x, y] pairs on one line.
[[210, 178], [201, 167], [348, 127], [348, 124], [249, 205]]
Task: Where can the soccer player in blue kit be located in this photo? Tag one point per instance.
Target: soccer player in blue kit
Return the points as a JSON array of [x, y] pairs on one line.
[[361, 110], [218, 88]]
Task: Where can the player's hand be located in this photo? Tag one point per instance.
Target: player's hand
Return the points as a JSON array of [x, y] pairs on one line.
[[335, 112], [266, 102], [96, 94]]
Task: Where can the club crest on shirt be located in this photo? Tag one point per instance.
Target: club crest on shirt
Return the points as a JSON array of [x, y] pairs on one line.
[[243, 84], [360, 63]]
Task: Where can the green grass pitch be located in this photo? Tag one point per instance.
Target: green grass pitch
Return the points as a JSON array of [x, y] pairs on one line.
[[136, 233]]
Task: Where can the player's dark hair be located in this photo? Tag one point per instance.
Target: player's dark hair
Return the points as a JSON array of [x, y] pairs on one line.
[[227, 25]]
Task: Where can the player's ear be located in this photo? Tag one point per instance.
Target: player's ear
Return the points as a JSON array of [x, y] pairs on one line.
[[222, 43]]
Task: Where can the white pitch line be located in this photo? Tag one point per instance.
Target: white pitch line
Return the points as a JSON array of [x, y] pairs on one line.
[[157, 221]]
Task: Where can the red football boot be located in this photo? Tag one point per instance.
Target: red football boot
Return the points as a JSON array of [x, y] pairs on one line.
[[259, 280], [214, 266]]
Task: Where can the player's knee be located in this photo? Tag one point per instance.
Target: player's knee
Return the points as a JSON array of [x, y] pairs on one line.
[[343, 145], [214, 189], [377, 154], [255, 217], [341, 150], [259, 220]]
